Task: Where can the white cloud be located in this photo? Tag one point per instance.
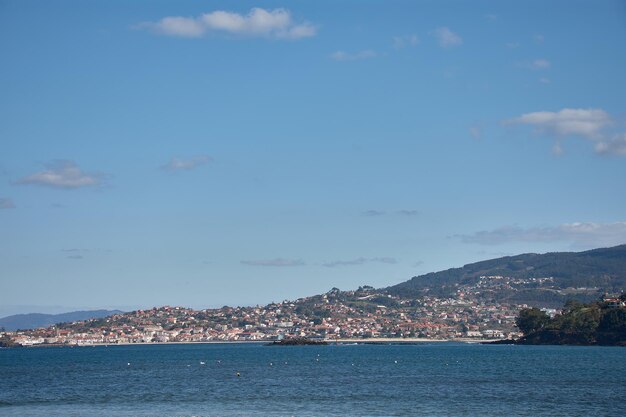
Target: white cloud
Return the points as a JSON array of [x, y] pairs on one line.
[[405, 40], [447, 38], [278, 262], [579, 234], [277, 24], [6, 203], [186, 27], [345, 56], [301, 31], [544, 80], [539, 38], [583, 122], [178, 164], [361, 261], [63, 174], [590, 124], [614, 146]]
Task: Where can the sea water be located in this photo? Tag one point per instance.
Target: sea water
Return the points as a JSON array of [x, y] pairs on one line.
[[436, 379]]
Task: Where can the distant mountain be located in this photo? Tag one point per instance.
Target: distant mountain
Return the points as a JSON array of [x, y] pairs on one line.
[[579, 275], [36, 320]]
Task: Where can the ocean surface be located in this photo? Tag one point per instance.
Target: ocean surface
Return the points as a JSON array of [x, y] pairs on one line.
[[436, 379]]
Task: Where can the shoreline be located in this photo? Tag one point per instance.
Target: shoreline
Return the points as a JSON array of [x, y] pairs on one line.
[[370, 341]]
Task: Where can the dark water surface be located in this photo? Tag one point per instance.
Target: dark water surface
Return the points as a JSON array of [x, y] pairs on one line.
[[441, 379]]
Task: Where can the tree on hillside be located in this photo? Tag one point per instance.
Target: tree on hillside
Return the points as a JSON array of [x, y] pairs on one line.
[[531, 320], [614, 320]]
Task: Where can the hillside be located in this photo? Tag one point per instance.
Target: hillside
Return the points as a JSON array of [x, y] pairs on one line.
[[479, 300], [35, 320], [579, 275]]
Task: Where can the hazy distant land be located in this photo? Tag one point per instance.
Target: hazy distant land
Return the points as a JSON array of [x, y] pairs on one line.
[[35, 320]]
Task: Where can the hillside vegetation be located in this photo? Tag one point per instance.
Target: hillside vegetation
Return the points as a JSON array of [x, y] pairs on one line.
[[599, 323], [576, 275]]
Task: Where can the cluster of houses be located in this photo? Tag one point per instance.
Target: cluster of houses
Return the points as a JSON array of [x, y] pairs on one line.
[[336, 315], [471, 313]]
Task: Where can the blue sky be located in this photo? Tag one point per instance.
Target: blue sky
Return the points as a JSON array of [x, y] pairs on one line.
[[208, 153]]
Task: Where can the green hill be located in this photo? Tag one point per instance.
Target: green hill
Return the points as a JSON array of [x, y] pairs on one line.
[[598, 323], [578, 275]]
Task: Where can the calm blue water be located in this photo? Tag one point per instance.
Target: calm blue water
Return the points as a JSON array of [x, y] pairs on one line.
[[363, 380]]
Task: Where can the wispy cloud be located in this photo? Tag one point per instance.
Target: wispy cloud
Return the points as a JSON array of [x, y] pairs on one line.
[[357, 56], [400, 42], [557, 149], [360, 261], [275, 24], [406, 212], [277, 262], [578, 234], [74, 253], [352, 262], [538, 64], [6, 203], [372, 213], [583, 122], [476, 132], [179, 164], [447, 38], [614, 146], [63, 174], [539, 38], [402, 212], [590, 124], [384, 260]]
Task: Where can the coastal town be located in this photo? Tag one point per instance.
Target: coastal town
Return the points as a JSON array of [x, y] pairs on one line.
[[365, 313]]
